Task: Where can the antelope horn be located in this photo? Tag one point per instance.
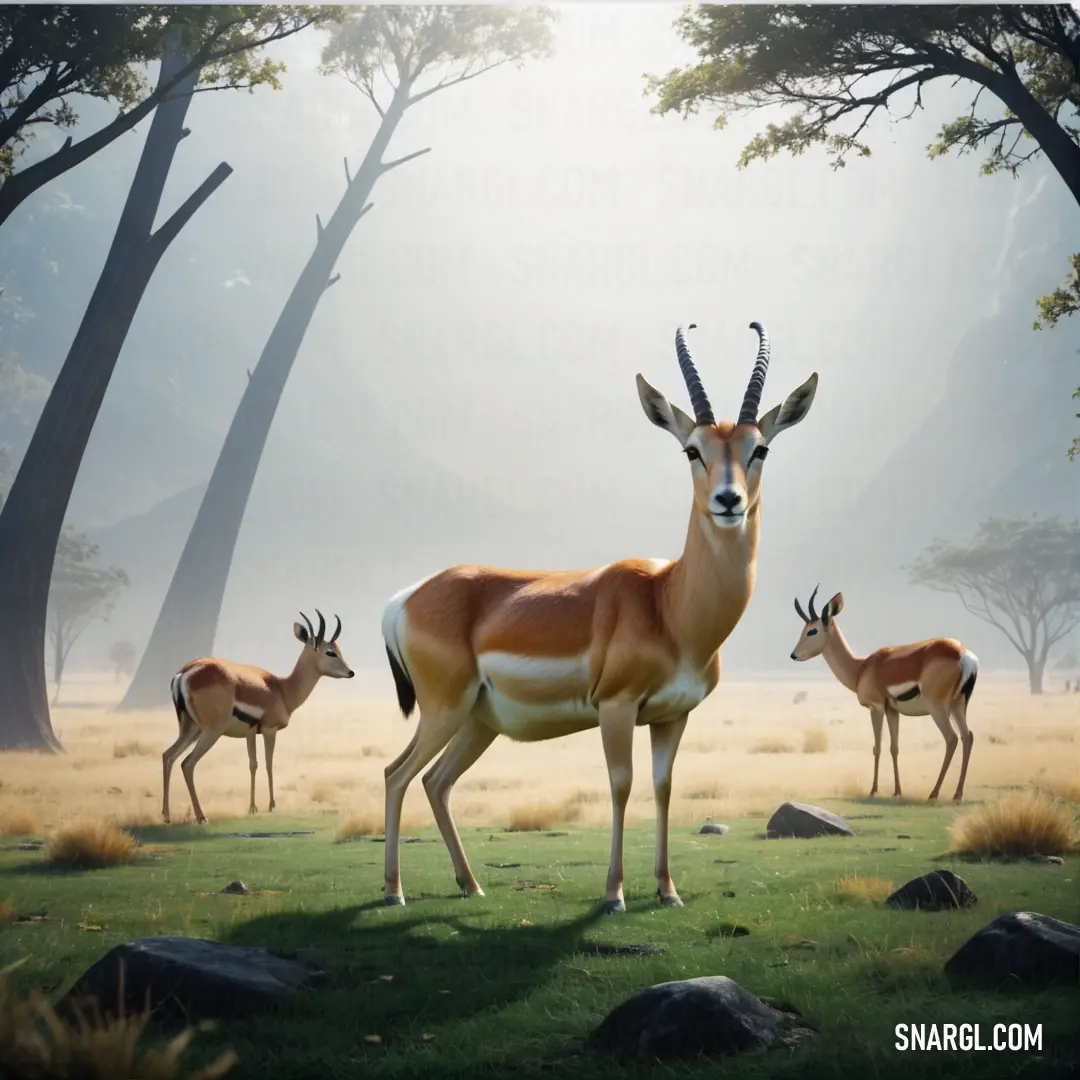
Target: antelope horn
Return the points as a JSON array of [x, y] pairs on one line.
[[322, 627], [813, 613], [703, 413], [337, 631], [311, 629], [799, 610], [752, 399]]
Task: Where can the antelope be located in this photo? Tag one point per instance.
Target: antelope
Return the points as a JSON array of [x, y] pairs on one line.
[[216, 697], [927, 678], [537, 655]]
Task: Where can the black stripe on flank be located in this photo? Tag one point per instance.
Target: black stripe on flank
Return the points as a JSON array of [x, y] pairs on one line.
[[969, 686], [246, 718], [909, 695]]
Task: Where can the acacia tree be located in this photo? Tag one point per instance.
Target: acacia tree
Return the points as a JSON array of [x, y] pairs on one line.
[[33, 515], [51, 54], [1021, 575], [80, 592], [839, 65], [122, 658], [397, 57]]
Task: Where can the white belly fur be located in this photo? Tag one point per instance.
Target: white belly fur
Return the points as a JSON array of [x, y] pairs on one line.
[[513, 716], [915, 707]]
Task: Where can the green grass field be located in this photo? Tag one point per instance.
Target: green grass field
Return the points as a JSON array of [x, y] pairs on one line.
[[505, 984]]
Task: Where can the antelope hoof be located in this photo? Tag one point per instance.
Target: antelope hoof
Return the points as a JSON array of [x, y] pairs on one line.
[[958, 797], [252, 810], [468, 891], [272, 805], [614, 907], [669, 901], [932, 797], [393, 901]]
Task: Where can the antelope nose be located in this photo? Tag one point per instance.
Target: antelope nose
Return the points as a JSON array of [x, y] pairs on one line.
[[727, 499], [794, 657], [351, 673]]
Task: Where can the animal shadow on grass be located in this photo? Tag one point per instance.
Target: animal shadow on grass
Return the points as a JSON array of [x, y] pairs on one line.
[[441, 967]]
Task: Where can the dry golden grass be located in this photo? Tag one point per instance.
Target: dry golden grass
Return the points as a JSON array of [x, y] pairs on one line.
[[351, 729], [815, 741], [134, 748], [540, 816], [854, 888], [36, 1044], [16, 822], [7, 914], [1016, 823], [91, 845], [363, 823], [771, 746], [1066, 790], [1056, 735]]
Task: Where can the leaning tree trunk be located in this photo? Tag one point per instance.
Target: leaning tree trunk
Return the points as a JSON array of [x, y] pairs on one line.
[[33, 514], [187, 622]]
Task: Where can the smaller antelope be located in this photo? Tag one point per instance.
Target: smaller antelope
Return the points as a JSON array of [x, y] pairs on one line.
[[217, 697], [927, 678]]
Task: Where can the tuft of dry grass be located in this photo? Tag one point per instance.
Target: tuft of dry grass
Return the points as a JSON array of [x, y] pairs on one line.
[[540, 816], [856, 889], [1056, 735], [133, 748], [37, 1044], [16, 822], [1066, 790], [361, 823], [91, 845], [712, 789], [1016, 823], [771, 746], [997, 740], [815, 741], [7, 914]]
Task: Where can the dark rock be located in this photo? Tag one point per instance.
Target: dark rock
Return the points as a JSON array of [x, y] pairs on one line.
[[710, 1015], [805, 822], [1022, 947], [31, 845], [596, 949], [902, 836], [503, 865], [712, 829], [192, 977], [729, 893], [940, 890], [236, 888]]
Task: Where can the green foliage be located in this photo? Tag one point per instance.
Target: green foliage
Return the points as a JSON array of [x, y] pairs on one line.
[[1063, 301], [843, 63], [1021, 575], [51, 54], [398, 45]]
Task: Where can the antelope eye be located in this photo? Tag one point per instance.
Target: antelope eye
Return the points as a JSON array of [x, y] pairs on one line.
[[811, 633], [692, 453], [760, 453], [331, 653]]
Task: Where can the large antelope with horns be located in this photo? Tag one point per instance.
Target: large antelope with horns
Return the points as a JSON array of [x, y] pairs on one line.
[[536, 655], [217, 697], [927, 678]]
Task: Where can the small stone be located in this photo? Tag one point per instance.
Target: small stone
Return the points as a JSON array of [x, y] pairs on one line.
[[1055, 860], [939, 890], [729, 893], [712, 829], [236, 888], [902, 836], [806, 822]]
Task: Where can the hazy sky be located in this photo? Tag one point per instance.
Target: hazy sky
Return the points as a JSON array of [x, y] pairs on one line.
[[495, 306]]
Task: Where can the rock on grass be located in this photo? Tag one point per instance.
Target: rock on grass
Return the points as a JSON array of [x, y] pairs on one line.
[[806, 822], [940, 890], [679, 1020], [1022, 947]]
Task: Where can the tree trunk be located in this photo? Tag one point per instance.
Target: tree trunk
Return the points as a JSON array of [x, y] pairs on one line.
[[59, 656], [187, 623], [1036, 668], [33, 514]]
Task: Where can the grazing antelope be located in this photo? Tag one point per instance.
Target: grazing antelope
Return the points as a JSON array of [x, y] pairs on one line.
[[927, 678], [538, 655], [217, 697]]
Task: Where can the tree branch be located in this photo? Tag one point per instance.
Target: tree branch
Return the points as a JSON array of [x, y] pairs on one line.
[[161, 238], [386, 166], [333, 281]]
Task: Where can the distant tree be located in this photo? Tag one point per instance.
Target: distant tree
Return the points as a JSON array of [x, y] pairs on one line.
[[33, 515], [396, 56], [839, 65], [122, 658], [80, 593], [53, 54], [1021, 575]]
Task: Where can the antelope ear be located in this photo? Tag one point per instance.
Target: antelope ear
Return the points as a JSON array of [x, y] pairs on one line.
[[301, 632], [832, 609], [790, 411], [662, 413]]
